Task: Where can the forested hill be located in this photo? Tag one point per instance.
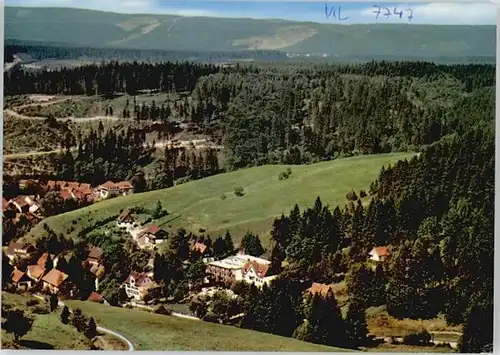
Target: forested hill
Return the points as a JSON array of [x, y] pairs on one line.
[[77, 27]]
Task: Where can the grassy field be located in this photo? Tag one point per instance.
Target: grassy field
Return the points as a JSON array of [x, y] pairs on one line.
[[200, 204], [47, 332], [148, 331]]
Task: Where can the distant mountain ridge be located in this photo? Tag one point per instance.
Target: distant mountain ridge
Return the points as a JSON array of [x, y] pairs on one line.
[[79, 27]]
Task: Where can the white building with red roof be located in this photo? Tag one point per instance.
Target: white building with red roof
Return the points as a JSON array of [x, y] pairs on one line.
[[380, 254], [138, 284]]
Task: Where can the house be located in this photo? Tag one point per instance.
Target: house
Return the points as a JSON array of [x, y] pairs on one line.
[[137, 285], [380, 254], [110, 189], [21, 250], [35, 272], [95, 256], [25, 204], [151, 236], [20, 280], [42, 260], [319, 289], [256, 273], [54, 281], [126, 220], [96, 297], [231, 269], [199, 248]]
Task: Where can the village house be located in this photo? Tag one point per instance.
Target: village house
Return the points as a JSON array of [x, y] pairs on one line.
[[126, 220], [319, 289], [231, 269], [199, 248], [35, 272], [96, 297], [42, 260], [55, 281], [256, 273], [95, 255], [379, 254], [20, 250], [137, 285], [151, 236], [111, 189], [25, 204], [20, 280]]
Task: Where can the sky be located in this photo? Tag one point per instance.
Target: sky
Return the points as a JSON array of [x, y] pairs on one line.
[[469, 13]]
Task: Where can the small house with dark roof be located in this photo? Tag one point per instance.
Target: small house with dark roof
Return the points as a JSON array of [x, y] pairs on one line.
[[126, 220], [94, 256], [151, 236]]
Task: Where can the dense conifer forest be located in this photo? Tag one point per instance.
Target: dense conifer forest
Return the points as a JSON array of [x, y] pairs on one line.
[[436, 210]]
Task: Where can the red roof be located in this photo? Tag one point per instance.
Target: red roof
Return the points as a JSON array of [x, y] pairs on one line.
[[43, 259], [321, 289], [15, 246], [36, 271], [55, 277], [260, 270], [95, 297], [141, 279], [199, 247], [17, 275], [5, 203], [382, 251], [66, 194], [95, 253], [124, 185], [125, 216], [109, 185], [152, 230]]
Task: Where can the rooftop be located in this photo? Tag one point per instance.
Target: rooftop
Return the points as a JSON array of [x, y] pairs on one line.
[[238, 261]]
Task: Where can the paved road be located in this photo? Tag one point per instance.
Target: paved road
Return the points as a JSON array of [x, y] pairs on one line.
[[118, 335], [102, 329]]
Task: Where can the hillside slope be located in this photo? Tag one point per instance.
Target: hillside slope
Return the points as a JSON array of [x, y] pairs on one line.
[[104, 29], [156, 332], [212, 205]]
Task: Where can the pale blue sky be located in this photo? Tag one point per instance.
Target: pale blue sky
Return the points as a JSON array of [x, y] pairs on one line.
[[423, 13]]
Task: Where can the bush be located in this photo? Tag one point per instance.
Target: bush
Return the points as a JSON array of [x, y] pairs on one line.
[[33, 302], [351, 196], [285, 174], [223, 197], [362, 194], [41, 310], [420, 338], [238, 191], [163, 310]]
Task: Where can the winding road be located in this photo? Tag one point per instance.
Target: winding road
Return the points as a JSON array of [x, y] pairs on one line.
[[118, 335]]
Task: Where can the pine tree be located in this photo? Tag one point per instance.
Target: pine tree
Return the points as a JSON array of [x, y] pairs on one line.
[[91, 329], [356, 327], [65, 315]]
